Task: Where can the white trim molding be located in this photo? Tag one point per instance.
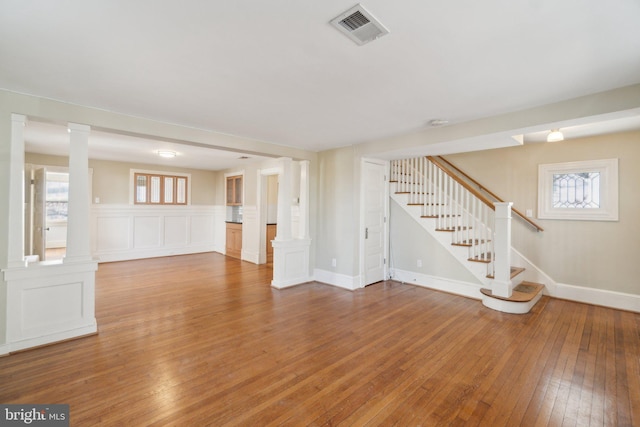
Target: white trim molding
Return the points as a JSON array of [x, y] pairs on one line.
[[601, 297], [124, 232], [49, 302], [465, 289], [290, 262], [580, 294], [607, 190], [344, 281]]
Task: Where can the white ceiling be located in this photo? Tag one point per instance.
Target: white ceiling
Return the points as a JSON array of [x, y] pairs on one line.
[[277, 71]]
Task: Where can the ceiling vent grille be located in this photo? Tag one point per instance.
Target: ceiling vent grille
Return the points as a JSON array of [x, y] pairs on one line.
[[359, 25]]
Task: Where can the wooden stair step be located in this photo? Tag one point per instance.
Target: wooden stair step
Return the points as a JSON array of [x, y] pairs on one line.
[[452, 229], [469, 243], [485, 258], [514, 272], [524, 292]]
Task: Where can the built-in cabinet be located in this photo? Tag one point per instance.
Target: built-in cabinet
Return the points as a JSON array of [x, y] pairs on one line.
[[234, 227], [234, 190], [234, 239]]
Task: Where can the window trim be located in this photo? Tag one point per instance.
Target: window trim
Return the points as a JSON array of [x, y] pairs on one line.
[[608, 210], [162, 174]]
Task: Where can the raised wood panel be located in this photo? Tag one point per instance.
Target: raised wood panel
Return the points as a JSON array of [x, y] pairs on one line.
[[202, 229], [146, 231], [47, 306], [112, 233], [175, 230], [124, 232], [50, 302]]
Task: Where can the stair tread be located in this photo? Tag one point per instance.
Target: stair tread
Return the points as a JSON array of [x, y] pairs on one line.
[[469, 243], [524, 292], [486, 258], [514, 272], [459, 228]]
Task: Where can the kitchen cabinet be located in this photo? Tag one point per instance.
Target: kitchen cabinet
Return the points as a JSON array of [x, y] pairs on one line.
[[271, 234], [234, 190], [234, 240]]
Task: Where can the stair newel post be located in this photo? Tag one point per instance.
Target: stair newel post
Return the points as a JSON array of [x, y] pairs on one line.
[[501, 285]]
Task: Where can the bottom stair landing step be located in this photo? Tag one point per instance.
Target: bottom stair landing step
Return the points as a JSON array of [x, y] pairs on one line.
[[523, 298]]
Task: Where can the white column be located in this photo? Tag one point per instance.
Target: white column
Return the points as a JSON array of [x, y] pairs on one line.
[[304, 199], [285, 195], [78, 246], [501, 285], [15, 249]]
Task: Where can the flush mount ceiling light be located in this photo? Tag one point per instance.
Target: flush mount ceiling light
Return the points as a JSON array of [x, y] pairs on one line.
[[438, 122], [166, 154], [555, 135]]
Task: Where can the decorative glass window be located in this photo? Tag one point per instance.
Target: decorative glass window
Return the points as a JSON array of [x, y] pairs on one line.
[[152, 188], [577, 190], [585, 190]]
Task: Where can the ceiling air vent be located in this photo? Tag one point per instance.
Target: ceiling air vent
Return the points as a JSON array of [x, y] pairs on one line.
[[359, 25]]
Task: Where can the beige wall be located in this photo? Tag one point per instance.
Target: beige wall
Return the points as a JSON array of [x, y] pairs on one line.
[[596, 254], [338, 217], [111, 180], [410, 242]]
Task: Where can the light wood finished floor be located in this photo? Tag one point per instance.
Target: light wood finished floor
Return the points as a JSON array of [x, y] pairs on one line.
[[203, 340]]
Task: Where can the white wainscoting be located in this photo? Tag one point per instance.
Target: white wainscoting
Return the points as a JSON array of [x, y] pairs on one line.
[[49, 302], [123, 232]]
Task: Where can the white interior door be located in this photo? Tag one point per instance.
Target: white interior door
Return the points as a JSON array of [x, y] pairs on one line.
[[374, 206], [40, 213]]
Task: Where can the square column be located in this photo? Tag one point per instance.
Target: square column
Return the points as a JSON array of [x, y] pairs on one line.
[[501, 285], [15, 249], [285, 195], [78, 245]]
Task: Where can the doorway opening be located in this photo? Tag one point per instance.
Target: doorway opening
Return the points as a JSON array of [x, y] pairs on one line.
[[268, 213], [46, 212]]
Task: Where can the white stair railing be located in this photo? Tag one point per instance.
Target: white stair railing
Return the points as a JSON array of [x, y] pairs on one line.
[[456, 207]]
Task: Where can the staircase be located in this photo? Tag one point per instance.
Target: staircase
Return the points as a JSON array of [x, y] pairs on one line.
[[471, 226]]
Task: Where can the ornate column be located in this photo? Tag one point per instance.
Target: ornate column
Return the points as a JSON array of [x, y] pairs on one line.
[[78, 245]]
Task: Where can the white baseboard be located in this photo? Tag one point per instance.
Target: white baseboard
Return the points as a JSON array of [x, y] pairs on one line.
[[466, 289], [282, 284], [250, 256], [5, 349], [152, 253], [612, 299], [49, 339], [336, 279]]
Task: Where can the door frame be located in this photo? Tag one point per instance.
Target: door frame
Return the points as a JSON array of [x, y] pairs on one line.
[[385, 232], [263, 175]]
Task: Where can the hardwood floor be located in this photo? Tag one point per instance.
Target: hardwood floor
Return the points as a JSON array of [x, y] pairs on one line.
[[203, 340]]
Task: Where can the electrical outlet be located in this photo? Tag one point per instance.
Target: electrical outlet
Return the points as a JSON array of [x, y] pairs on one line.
[[333, 262], [529, 213], [419, 263]]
